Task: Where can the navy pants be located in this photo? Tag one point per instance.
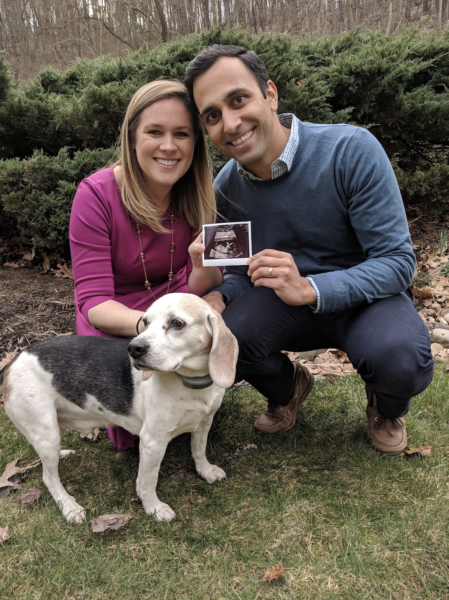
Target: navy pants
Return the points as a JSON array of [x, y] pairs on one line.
[[386, 341]]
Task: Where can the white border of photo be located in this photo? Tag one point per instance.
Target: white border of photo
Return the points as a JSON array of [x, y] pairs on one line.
[[226, 262]]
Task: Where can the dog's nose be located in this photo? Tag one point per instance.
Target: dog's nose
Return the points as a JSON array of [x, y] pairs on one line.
[[137, 348]]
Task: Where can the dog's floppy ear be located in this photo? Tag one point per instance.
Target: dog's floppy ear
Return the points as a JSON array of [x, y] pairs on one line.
[[224, 353]]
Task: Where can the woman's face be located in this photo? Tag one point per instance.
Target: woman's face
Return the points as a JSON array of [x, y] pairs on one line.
[[164, 144]]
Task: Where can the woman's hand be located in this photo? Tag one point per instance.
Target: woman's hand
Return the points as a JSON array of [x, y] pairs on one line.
[[196, 251]]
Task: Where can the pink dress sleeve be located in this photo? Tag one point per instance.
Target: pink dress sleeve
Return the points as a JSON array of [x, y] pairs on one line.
[[90, 244]]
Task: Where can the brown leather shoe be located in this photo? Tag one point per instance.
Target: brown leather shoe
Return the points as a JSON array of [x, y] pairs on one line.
[[279, 418], [386, 435]]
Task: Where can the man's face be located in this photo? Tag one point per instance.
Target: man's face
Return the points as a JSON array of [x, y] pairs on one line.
[[238, 119]]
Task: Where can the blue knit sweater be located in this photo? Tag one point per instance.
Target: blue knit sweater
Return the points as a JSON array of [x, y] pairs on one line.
[[338, 212]]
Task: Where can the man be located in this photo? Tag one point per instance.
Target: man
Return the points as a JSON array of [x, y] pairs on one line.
[[333, 256]]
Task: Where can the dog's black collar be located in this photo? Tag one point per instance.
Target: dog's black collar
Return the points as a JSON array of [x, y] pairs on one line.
[[196, 383], [137, 325]]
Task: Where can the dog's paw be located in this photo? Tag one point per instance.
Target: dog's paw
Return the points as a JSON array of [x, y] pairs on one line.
[[73, 512], [212, 474], [162, 512]]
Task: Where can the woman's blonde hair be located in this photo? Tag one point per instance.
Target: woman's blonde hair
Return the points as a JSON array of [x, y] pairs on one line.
[[192, 196]]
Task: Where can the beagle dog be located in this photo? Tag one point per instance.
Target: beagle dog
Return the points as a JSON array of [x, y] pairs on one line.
[[169, 380]]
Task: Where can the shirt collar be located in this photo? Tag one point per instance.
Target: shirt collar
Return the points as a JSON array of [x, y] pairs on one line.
[[282, 164]]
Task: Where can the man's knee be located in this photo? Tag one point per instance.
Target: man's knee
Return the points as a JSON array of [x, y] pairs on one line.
[[400, 369]]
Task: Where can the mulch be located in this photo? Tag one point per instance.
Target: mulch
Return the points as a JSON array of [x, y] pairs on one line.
[[35, 305]]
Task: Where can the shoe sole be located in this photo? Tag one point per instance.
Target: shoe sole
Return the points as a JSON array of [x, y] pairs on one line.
[[304, 396]]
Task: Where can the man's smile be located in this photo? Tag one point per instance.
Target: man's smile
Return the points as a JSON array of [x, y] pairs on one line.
[[243, 138]]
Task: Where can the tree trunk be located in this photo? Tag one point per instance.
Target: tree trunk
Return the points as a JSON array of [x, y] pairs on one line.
[[407, 10], [162, 20], [206, 16]]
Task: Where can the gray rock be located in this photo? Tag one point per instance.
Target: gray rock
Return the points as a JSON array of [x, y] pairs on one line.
[[434, 348], [440, 336]]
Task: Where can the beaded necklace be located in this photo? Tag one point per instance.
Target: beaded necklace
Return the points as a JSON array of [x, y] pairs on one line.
[[147, 284]]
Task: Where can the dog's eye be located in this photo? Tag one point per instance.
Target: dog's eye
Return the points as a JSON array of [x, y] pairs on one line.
[[176, 324]]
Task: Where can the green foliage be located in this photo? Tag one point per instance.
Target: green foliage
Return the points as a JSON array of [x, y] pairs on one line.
[[396, 86], [5, 80], [38, 192]]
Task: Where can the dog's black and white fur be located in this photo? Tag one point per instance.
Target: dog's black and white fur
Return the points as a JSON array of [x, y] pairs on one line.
[[87, 382]]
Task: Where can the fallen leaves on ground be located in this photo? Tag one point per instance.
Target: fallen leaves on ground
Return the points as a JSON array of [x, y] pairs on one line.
[[4, 534], [63, 270], [244, 448], [13, 265], [8, 358], [109, 522], [11, 470], [274, 573], [15, 480], [421, 451], [329, 364], [92, 436], [30, 497], [431, 269]]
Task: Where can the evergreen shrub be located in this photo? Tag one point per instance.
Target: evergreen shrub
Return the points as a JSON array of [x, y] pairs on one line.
[[38, 193], [396, 86]]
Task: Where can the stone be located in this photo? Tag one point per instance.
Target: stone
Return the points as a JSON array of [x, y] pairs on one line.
[[435, 306], [435, 348], [440, 336], [446, 318], [444, 312], [431, 319]]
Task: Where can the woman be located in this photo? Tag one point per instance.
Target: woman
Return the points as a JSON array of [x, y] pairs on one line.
[[132, 224]]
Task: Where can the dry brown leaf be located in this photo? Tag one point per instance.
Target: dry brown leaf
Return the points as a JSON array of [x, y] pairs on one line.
[[28, 254], [424, 292], [30, 497], [92, 436], [109, 522], [11, 470], [274, 573], [45, 263], [422, 451], [63, 271], [15, 480], [4, 534], [13, 265], [8, 358]]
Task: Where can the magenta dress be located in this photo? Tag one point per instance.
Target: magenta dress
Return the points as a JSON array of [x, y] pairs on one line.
[[106, 259]]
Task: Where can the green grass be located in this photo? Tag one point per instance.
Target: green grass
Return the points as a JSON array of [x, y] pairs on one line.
[[345, 521]]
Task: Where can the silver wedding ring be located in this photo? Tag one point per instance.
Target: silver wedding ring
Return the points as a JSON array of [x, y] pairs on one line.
[[270, 270]]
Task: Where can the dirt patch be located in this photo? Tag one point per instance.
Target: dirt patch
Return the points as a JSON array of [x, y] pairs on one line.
[[33, 306], [426, 229]]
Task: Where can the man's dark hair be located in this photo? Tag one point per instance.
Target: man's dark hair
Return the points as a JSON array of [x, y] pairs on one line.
[[209, 56]]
